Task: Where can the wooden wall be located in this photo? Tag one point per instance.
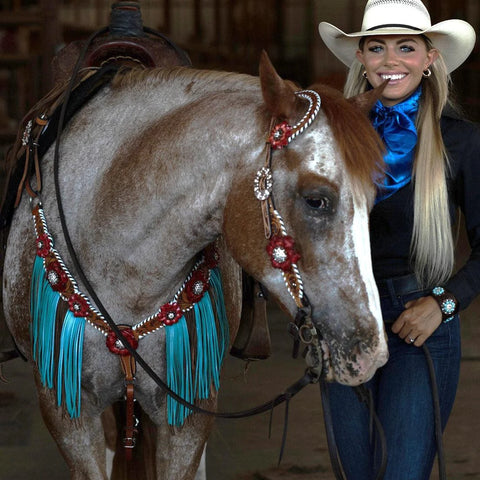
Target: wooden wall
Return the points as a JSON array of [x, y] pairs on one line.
[[224, 34]]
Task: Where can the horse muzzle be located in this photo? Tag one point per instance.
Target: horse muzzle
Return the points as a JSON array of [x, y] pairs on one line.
[[352, 359]]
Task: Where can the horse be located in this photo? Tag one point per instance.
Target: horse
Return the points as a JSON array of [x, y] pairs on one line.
[[159, 165]]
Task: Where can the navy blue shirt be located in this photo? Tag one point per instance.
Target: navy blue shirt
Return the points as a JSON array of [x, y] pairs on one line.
[[391, 220]]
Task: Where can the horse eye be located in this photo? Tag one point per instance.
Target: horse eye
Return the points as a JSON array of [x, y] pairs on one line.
[[318, 203]]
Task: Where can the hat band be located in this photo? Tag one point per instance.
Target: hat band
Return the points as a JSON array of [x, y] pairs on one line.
[[387, 25]]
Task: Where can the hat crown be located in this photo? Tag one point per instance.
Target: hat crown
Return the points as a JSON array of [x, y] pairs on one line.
[[406, 13]]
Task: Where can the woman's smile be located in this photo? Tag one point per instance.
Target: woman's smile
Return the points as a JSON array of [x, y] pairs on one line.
[[401, 60], [392, 77]]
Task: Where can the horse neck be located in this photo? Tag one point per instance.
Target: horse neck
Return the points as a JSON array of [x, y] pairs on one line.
[[191, 151]]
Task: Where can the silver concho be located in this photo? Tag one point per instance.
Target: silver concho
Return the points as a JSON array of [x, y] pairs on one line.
[[263, 183], [279, 254], [26, 133], [53, 277], [198, 287]]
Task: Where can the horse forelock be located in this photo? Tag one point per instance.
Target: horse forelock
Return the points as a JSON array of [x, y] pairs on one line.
[[359, 144]]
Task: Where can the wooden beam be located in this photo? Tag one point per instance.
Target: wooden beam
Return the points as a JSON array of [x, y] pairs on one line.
[[51, 38]]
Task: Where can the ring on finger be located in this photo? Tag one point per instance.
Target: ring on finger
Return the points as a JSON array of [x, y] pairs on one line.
[[411, 340]]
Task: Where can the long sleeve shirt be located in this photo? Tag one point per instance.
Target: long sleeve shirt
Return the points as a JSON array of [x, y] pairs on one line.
[[391, 220]]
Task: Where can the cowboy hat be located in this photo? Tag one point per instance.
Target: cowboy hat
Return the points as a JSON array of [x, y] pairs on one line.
[[454, 39]]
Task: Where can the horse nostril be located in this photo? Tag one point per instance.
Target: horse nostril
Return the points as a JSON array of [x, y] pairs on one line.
[[365, 357]]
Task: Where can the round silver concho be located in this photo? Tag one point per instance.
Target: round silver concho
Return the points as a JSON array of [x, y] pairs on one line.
[[198, 287], [280, 254]]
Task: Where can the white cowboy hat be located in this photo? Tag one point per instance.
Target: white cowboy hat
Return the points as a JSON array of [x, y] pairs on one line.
[[454, 39]]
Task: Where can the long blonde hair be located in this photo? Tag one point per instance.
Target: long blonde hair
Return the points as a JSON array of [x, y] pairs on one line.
[[432, 246]]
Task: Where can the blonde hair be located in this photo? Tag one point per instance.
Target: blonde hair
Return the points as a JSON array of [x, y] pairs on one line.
[[432, 246]]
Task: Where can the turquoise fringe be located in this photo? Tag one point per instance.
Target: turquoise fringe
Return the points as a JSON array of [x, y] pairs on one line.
[[217, 291], [211, 348], [212, 342], [43, 309], [207, 367], [70, 363], [179, 371]]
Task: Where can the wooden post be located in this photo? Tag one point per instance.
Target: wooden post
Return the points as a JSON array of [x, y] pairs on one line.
[[217, 15], [197, 19], [51, 38], [167, 15]]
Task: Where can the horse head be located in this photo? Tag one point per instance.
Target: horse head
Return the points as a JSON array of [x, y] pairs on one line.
[[322, 189]]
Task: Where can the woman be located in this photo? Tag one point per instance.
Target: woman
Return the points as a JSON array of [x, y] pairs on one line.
[[431, 171]]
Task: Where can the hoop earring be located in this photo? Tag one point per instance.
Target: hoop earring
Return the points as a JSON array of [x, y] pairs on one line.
[[364, 74], [427, 73]]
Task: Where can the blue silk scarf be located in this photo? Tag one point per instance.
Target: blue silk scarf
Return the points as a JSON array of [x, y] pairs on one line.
[[396, 127]]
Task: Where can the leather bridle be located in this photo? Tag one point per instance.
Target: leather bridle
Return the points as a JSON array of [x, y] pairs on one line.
[[281, 247]]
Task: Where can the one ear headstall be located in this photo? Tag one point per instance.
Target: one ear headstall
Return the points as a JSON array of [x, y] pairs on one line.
[[283, 133], [281, 247]]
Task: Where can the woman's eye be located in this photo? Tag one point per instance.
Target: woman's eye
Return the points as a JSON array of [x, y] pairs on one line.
[[407, 48], [375, 49]]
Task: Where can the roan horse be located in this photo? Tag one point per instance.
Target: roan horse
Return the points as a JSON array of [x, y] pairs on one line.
[[157, 166]]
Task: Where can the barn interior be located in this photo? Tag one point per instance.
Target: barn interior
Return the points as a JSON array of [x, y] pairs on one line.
[[227, 35]]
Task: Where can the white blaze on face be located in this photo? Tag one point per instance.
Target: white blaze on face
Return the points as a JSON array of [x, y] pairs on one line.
[[325, 162], [361, 242]]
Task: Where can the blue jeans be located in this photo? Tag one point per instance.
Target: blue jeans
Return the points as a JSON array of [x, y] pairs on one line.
[[402, 395]]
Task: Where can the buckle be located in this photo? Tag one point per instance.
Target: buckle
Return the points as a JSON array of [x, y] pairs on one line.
[[129, 442]]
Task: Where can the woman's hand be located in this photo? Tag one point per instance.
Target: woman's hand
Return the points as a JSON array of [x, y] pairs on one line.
[[418, 321]]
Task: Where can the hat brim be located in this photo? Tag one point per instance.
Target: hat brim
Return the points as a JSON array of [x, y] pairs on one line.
[[454, 39]]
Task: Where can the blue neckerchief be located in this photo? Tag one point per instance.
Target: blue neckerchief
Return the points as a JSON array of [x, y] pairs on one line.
[[396, 127]]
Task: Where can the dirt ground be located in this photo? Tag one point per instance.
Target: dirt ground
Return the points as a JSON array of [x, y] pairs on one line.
[[241, 449]]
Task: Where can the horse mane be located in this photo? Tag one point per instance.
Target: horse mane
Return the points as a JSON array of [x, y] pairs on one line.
[[204, 80], [358, 142]]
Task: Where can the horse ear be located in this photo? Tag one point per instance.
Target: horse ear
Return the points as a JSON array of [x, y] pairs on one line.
[[366, 101], [278, 94]]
